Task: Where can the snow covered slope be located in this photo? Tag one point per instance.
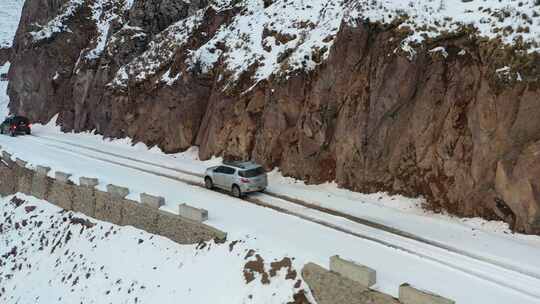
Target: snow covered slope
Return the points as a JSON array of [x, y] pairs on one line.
[[10, 13], [509, 20], [51, 256], [282, 36]]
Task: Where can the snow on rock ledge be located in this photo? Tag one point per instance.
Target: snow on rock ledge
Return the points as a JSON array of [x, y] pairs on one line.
[[57, 24], [509, 20]]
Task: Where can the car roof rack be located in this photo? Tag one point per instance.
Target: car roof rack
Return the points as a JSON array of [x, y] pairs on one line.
[[240, 164]]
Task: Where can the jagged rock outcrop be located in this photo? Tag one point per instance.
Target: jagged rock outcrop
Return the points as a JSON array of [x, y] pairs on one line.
[[442, 121]]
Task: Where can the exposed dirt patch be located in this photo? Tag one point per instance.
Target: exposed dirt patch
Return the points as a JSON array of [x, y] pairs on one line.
[[253, 267], [79, 221], [250, 253], [299, 298], [17, 201], [232, 244], [29, 209], [201, 245], [275, 267]]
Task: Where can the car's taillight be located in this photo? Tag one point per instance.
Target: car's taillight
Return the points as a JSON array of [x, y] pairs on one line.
[[29, 125], [245, 180], [13, 127]]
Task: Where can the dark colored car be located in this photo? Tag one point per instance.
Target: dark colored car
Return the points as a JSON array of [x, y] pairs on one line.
[[14, 125]]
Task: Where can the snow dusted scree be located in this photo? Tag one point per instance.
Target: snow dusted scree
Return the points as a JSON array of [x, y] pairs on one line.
[[105, 206]]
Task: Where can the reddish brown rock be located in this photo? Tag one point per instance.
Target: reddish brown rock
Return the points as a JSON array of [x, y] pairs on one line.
[[368, 117]]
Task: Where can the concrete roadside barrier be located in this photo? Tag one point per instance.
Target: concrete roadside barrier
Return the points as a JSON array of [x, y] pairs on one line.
[[62, 177], [117, 191], [6, 156], [411, 295], [20, 162], [42, 170], [88, 182], [359, 273], [329, 287], [41, 182], [104, 205], [62, 191], [84, 197], [8, 179], [192, 213], [152, 201], [185, 231]]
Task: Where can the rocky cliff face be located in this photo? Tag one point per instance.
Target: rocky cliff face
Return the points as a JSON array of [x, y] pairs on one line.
[[317, 89]]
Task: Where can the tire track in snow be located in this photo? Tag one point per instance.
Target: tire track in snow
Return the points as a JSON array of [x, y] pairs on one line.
[[508, 270], [305, 204]]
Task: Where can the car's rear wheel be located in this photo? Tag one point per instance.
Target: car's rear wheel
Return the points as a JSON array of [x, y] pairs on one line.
[[236, 192], [208, 183], [12, 133]]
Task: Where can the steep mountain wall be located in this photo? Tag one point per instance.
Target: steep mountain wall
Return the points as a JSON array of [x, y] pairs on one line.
[[371, 98]]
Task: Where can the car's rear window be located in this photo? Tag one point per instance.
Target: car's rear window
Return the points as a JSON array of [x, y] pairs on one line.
[[20, 120], [252, 172]]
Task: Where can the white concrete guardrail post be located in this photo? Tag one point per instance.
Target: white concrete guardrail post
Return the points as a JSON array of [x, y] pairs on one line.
[[6, 156], [20, 162], [42, 170], [88, 182], [117, 191], [192, 213], [62, 177], [351, 270], [411, 295], [152, 201]]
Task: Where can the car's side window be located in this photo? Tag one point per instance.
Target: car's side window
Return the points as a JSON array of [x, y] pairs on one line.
[[228, 171], [219, 169]]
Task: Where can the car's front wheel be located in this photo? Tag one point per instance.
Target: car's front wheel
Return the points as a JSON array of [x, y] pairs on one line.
[[208, 183], [236, 192]]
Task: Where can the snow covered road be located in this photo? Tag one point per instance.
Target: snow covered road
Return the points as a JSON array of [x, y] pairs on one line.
[[310, 235]]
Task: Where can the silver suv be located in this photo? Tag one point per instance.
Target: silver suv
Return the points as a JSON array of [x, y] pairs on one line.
[[237, 177]]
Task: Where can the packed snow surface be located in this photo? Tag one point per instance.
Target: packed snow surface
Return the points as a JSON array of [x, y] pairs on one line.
[[52, 256], [311, 242], [10, 13]]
